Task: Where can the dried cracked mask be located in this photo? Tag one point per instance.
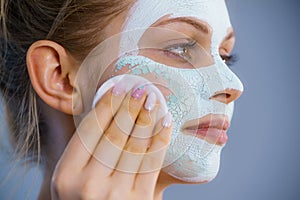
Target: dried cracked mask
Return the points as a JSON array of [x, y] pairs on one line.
[[145, 13], [187, 90], [188, 158]]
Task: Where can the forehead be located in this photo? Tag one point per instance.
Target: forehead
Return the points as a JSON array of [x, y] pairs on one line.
[[144, 13]]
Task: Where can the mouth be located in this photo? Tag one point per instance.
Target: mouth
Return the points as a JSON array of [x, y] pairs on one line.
[[211, 128]]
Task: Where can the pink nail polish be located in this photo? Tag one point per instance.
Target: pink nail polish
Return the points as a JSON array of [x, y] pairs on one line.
[[119, 89], [138, 92], [150, 102], [167, 121]]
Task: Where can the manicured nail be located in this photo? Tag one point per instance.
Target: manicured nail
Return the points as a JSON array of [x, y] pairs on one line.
[[118, 89], [167, 121], [150, 102], [138, 92]]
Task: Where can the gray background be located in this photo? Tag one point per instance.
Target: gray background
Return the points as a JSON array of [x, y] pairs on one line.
[[261, 160]]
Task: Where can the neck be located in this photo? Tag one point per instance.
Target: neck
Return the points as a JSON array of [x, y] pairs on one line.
[[158, 196], [60, 128], [159, 189], [164, 181]]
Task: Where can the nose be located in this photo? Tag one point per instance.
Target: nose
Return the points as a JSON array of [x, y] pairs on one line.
[[225, 86], [226, 96]]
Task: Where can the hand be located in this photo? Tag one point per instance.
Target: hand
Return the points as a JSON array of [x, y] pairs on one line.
[[116, 152]]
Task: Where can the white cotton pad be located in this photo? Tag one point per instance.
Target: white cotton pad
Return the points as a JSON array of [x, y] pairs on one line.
[[131, 81]]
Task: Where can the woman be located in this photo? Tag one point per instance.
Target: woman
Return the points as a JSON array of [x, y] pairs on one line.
[[127, 146]]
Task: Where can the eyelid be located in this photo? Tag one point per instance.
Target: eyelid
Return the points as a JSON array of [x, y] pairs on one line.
[[177, 48], [181, 43]]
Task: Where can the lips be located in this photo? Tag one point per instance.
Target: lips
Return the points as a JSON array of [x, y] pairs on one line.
[[211, 128]]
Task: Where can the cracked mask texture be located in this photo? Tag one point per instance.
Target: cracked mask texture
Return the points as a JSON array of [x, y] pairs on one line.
[[188, 158], [145, 13], [189, 90]]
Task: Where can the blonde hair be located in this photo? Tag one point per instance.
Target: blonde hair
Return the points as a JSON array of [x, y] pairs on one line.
[[75, 24]]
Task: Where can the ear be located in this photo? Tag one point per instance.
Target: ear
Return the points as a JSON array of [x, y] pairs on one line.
[[52, 71]]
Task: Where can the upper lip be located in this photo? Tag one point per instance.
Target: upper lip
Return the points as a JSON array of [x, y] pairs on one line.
[[211, 121]]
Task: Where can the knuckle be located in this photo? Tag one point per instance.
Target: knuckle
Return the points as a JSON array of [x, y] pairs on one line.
[[115, 195], [153, 161], [90, 191], [61, 182], [134, 107], [135, 148], [145, 194], [144, 119], [115, 139], [163, 139], [104, 104], [89, 195]]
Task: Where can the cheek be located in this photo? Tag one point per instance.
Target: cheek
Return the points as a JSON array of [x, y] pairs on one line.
[[185, 91], [157, 76]]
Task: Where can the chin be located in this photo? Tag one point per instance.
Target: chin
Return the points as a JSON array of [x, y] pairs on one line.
[[186, 176], [198, 163], [197, 179]]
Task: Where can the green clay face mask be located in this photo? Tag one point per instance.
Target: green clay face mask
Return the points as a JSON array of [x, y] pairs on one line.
[[189, 158], [189, 90], [145, 13]]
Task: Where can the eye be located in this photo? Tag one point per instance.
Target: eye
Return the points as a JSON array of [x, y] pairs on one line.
[[181, 50]]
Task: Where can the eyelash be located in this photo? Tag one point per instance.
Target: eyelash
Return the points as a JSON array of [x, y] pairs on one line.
[[183, 46], [229, 60]]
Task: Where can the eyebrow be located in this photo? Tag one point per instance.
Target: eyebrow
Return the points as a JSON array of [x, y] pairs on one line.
[[197, 25]]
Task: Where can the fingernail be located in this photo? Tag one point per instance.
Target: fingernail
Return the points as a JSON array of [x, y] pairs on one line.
[[118, 89], [138, 92], [167, 121], [151, 101]]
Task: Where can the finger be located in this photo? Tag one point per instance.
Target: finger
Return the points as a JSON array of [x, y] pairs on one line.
[[153, 159], [111, 145], [103, 113], [90, 130], [138, 143]]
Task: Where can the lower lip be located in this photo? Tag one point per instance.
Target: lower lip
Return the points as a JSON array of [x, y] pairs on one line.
[[211, 135]]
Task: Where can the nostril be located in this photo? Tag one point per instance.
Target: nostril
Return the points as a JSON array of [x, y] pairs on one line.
[[222, 97], [226, 96]]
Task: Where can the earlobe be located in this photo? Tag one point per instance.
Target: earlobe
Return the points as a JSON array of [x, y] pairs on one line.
[[52, 71]]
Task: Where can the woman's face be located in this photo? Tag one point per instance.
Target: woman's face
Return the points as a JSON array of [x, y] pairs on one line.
[[180, 46]]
